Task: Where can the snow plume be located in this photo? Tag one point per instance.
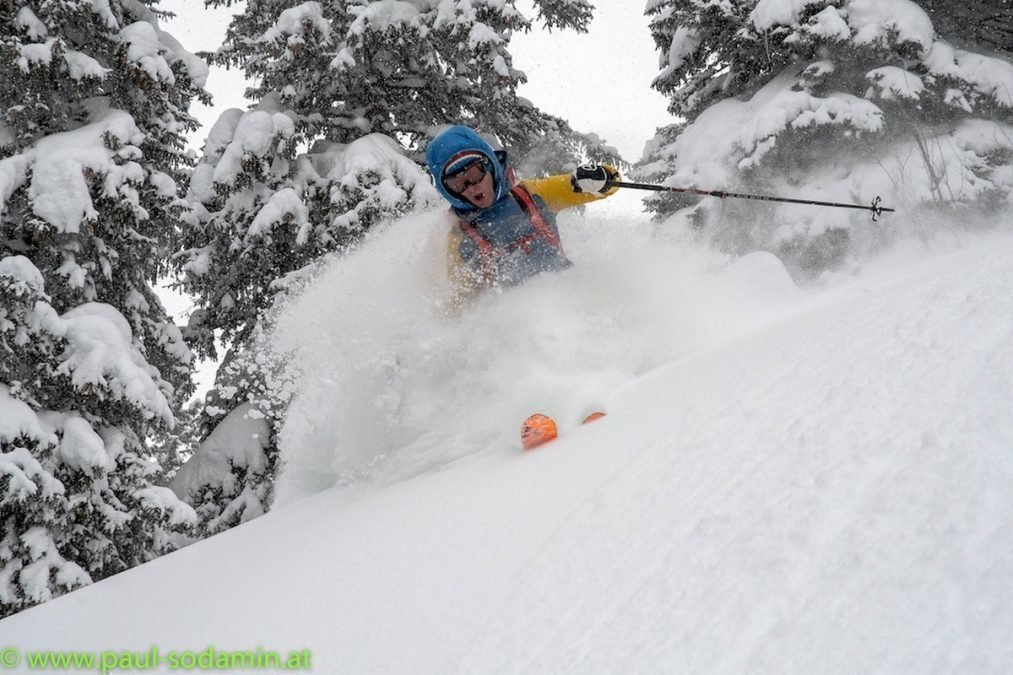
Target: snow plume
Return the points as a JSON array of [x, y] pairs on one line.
[[393, 381]]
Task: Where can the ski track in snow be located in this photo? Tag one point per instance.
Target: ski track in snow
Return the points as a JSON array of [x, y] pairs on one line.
[[786, 481]]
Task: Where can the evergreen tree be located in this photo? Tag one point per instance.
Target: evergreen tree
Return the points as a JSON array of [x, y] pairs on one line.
[[75, 489], [830, 100], [354, 67], [347, 95], [985, 22], [95, 99]]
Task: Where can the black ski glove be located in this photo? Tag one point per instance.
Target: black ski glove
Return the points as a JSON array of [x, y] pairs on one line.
[[592, 178]]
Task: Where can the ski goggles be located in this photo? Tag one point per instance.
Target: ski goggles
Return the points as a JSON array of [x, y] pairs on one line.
[[459, 181]]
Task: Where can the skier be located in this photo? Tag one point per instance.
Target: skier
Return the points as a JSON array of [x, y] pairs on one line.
[[504, 233]]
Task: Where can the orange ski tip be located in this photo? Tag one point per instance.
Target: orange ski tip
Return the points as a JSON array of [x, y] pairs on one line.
[[593, 416], [536, 430]]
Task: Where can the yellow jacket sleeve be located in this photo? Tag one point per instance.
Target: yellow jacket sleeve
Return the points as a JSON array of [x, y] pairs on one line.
[[558, 193]]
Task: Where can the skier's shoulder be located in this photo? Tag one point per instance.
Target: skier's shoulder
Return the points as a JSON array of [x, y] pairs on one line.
[[552, 192]]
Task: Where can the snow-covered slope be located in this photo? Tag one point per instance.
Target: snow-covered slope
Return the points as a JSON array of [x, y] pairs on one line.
[[824, 487]]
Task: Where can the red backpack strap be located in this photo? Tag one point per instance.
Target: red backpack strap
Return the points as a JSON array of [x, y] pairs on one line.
[[486, 252], [527, 204]]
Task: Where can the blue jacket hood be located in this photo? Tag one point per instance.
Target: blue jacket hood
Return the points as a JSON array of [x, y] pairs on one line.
[[451, 142]]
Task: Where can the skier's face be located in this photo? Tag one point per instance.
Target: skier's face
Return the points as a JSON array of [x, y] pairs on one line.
[[481, 194], [475, 183]]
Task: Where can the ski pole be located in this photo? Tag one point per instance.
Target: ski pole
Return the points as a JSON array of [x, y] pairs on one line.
[[876, 209]]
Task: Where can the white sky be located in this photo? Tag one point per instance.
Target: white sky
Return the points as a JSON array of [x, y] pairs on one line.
[[599, 81]]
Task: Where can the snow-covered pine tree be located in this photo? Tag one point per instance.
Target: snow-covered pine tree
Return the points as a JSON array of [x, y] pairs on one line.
[[826, 99], [76, 398], [363, 84], [985, 22], [95, 102], [353, 67]]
